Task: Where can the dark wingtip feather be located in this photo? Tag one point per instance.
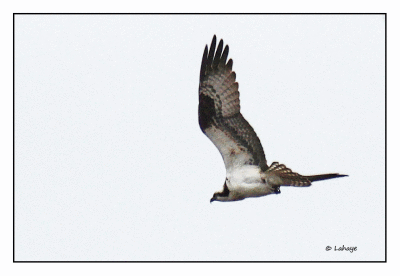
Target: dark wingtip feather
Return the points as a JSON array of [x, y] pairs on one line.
[[204, 64], [229, 64], [218, 54], [224, 56], [211, 52], [214, 60]]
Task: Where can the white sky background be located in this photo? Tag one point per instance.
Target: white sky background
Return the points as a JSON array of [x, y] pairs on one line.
[[110, 163]]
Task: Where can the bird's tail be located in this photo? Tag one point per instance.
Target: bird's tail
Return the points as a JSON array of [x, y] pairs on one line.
[[289, 178], [319, 177]]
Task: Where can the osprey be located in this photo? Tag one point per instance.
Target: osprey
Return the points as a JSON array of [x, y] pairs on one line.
[[247, 172]]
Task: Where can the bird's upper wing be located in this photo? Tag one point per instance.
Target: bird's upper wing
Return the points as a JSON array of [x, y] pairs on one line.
[[219, 111]]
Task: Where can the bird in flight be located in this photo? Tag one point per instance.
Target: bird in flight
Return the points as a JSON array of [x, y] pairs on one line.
[[247, 172]]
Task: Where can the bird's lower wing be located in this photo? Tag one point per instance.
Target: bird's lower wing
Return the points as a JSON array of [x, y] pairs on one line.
[[237, 142], [219, 111]]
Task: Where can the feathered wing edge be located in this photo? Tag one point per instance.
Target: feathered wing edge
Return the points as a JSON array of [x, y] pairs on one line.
[[215, 60]]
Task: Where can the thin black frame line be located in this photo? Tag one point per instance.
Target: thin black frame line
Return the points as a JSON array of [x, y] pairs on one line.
[[200, 13], [14, 137], [199, 261], [385, 261], [385, 137]]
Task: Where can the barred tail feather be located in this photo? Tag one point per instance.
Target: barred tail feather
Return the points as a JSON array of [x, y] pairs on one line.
[[289, 178], [319, 177]]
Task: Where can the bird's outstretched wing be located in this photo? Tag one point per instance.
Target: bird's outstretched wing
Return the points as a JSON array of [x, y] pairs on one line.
[[219, 111]]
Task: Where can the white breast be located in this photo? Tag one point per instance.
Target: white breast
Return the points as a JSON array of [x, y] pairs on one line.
[[245, 174]]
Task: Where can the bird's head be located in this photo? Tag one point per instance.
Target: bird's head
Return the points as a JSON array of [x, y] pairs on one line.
[[222, 195]]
